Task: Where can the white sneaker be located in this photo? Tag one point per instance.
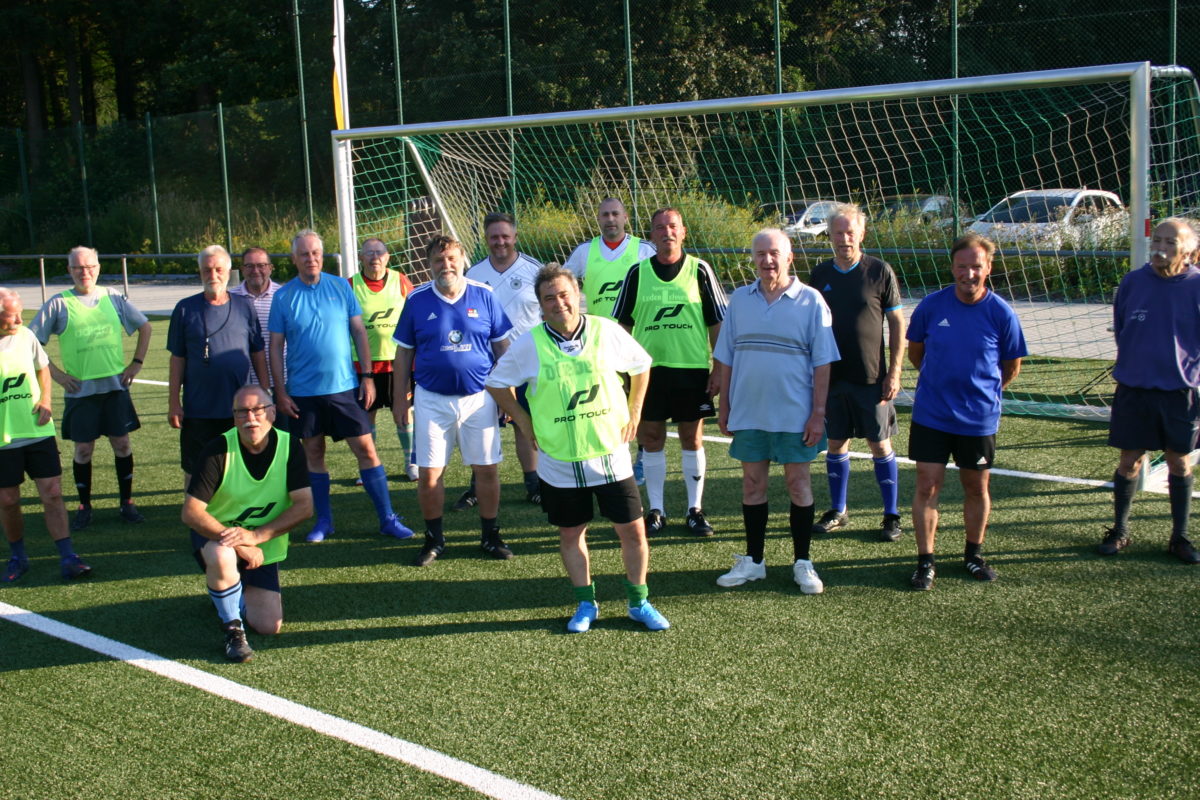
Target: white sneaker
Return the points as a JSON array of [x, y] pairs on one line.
[[744, 569], [806, 577]]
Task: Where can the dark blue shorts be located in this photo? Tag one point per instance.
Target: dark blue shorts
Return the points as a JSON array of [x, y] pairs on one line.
[[86, 419], [264, 577], [1155, 419], [931, 446], [38, 459], [338, 416], [619, 502]]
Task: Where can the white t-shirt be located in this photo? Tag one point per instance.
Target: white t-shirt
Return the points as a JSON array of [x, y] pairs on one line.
[[514, 289], [577, 263], [520, 365]]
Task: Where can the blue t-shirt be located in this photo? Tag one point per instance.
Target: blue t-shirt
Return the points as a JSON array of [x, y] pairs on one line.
[[1157, 324], [315, 322], [958, 390], [453, 338], [232, 334]]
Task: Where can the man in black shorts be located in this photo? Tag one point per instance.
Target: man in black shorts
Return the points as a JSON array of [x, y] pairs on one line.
[[249, 489], [1157, 404], [584, 422], [673, 305], [862, 294], [27, 445], [214, 340], [89, 320]]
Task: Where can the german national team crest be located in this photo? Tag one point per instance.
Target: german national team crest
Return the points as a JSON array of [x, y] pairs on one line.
[[455, 337], [517, 283]]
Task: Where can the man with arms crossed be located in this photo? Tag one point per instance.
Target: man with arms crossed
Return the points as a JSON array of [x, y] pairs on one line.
[[968, 345], [450, 333], [250, 488], [89, 320], [673, 305], [584, 422], [1156, 319], [774, 353], [316, 318], [27, 445], [862, 293]]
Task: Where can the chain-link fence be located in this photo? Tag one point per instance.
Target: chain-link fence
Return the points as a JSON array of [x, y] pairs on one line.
[[236, 174]]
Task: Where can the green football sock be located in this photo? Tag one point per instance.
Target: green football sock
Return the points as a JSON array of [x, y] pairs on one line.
[[583, 593], [636, 594]]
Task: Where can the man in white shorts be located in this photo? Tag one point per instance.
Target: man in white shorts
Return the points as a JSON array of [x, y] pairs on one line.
[[450, 333]]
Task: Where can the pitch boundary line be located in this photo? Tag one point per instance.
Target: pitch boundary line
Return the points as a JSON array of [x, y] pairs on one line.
[[481, 780]]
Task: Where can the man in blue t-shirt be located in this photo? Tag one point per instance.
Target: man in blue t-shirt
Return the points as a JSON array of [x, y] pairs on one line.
[[1157, 403], [450, 334], [215, 341], [315, 318], [968, 345]]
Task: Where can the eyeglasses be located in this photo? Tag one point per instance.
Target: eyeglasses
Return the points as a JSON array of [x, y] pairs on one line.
[[372, 253], [86, 267], [257, 411], [248, 264]]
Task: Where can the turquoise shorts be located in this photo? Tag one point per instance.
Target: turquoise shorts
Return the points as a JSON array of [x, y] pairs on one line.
[[782, 448]]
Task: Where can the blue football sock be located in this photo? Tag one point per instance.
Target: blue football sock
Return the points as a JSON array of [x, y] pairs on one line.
[[887, 476], [320, 492], [838, 469], [375, 482], [18, 549], [65, 548], [228, 602]]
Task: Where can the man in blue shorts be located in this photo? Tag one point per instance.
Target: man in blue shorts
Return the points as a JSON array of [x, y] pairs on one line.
[[27, 445], [582, 423], [89, 321], [863, 296], [215, 343], [774, 354], [451, 332], [316, 318], [967, 344], [1157, 403], [249, 489], [673, 305]]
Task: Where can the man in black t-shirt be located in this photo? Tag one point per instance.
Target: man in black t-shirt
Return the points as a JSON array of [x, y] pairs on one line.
[[240, 505], [862, 293]]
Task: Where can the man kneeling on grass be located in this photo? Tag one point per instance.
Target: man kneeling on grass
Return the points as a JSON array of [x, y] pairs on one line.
[[250, 489], [582, 423]]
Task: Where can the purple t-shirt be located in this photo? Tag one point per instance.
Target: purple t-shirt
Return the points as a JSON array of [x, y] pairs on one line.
[[1157, 324]]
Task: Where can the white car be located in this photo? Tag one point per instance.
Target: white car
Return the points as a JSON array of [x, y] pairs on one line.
[[1056, 219], [804, 219]]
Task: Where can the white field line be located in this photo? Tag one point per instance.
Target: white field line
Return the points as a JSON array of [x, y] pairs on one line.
[[151, 383], [477, 778]]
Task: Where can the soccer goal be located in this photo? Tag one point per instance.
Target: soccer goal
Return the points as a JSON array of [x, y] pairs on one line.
[[1076, 162]]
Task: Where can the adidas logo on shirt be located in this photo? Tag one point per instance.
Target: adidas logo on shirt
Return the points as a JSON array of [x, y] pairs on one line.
[[945, 323], [432, 315]]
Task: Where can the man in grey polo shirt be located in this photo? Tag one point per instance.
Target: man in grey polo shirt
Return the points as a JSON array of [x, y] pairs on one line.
[[774, 352]]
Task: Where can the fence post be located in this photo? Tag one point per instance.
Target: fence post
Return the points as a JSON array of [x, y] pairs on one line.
[[633, 181], [782, 194], [396, 61], [508, 100], [42, 275], [955, 163], [153, 188], [25, 188], [125, 274], [225, 177], [83, 180], [308, 191]]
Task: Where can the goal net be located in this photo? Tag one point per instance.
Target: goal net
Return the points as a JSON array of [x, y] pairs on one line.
[[1098, 151]]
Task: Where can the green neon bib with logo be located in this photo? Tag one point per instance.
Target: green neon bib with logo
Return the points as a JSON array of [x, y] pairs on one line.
[[669, 318], [603, 279], [242, 501]]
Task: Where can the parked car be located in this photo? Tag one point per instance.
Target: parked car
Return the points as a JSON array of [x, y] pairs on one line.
[[1056, 219], [802, 219], [928, 209]]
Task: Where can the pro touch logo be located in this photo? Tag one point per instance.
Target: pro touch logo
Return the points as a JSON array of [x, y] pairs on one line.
[[666, 312], [380, 316], [255, 512], [583, 397], [15, 382], [611, 288], [11, 389]]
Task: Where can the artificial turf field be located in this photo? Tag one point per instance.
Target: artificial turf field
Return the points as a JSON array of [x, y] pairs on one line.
[[1071, 676]]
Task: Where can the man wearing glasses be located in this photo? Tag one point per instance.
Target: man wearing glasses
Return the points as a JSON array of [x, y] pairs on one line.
[[258, 287], [249, 489], [214, 341], [89, 320]]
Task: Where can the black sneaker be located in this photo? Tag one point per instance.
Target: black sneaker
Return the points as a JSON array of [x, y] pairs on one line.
[[83, 518], [130, 513], [697, 524], [495, 547], [922, 579], [236, 647], [467, 501], [980, 570], [655, 521], [1115, 540], [830, 521], [429, 552], [890, 530], [1181, 548]]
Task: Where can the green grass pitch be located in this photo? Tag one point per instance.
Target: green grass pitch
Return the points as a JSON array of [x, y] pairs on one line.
[[1071, 676]]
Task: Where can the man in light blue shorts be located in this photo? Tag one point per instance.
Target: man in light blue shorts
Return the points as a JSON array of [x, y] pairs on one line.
[[774, 353]]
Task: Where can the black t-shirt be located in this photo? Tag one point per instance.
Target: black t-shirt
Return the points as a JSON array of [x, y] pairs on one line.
[[207, 478], [712, 296], [857, 299]]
